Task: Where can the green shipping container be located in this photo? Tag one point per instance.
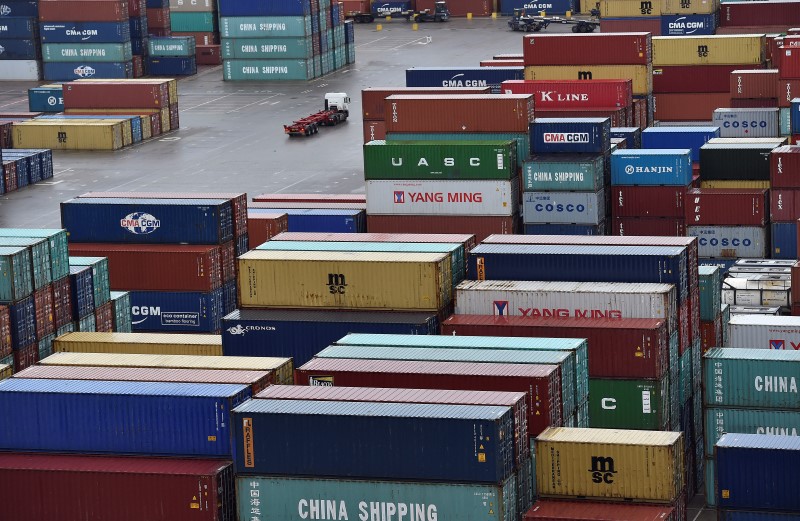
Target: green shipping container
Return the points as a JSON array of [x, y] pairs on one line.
[[264, 26], [629, 404], [172, 46], [759, 378], [59, 250], [710, 292], [786, 121], [102, 289], [770, 422], [198, 22], [46, 346], [40, 257], [87, 324], [121, 301], [267, 48], [685, 376], [66, 328], [425, 160], [16, 277], [522, 139], [565, 172], [297, 499], [90, 52], [456, 251], [269, 70]]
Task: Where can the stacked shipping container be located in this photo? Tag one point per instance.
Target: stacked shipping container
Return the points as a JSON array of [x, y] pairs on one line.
[[660, 18], [171, 56], [21, 54]]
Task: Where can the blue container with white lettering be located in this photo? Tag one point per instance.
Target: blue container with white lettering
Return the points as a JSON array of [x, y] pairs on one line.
[[81, 284], [85, 32], [148, 221], [383, 9], [688, 24], [651, 167], [795, 116], [137, 27], [23, 322], [68, 71], [19, 49], [18, 27], [177, 311], [570, 135], [321, 220], [471, 77], [723, 264], [678, 138], [157, 4], [565, 229], [47, 98], [784, 240], [171, 66], [564, 207], [21, 8], [535, 6], [264, 7], [631, 135]]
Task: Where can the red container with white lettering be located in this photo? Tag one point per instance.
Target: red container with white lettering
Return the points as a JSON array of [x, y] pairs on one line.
[[754, 83], [372, 99], [789, 61], [726, 207], [788, 89], [648, 201], [784, 205], [674, 79], [374, 131], [785, 167], [573, 94], [643, 227], [593, 48]]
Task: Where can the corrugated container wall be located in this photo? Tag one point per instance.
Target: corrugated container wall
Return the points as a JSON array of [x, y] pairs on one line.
[[466, 113]]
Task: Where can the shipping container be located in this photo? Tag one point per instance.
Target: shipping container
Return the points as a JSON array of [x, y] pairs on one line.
[[599, 49], [731, 241], [97, 52], [639, 227], [462, 77], [649, 201], [567, 172], [785, 167], [481, 227], [318, 220], [687, 106], [729, 161], [768, 422], [690, 137], [651, 167], [564, 207], [765, 332], [751, 122], [139, 343], [573, 94], [263, 227], [640, 75], [177, 311], [631, 135], [373, 99], [629, 404], [555, 510], [265, 26], [550, 7], [85, 32], [720, 207], [747, 84], [565, 135], [629, 9], [258, 8], [759, 13], [708, 50], [17, 266], [69, 135], [522, 138], [91, 95], [82, 11], [267, 70]]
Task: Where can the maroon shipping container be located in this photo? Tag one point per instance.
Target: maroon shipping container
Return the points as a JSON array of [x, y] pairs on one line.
[[160, 31], [373, 99], [80, 488], [640, 113], [136, 8], [26, 357], [310, 198], [754, 103], [179, 267], [158, 18], [517, 402], [203, 39], [788, 89], [784, 204], [624, 348], [228, 260], [796, 310], [754, 83], [689, 107], [262, 227], [99, 95], [468, 240], [323, 205], [618, 116], [631, 25], [374, 131], [784, 13], [791, 42], [726, 207], [789, 61], [541, 383], [83, 11], [209, 54], [10, 175], [641, 227], [675, 79], [711, 333], [257, 380], [481, 227], [774, 42], [62, 302], [104, 318], [694, 315], [580, 49], [5, 332], [138, 66], [502, 63], [554, 510], [464, 113], [5, 134], [461, 7], [43, 304], [648, 201], [573, 94]]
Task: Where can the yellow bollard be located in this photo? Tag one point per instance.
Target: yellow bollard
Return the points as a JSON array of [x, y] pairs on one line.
[[415, 27], [379, 27], [388, 18], [494, 16], [469, 16], [542, 13], [568, 14]]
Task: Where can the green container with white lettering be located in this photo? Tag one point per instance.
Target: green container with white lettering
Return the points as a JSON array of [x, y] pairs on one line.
[[770, 422], [267, 70], [757, 378], [87, 52], [629, 404], [196, 22], [165, 46], [279, 498], [267, 48], [264, 26], [563, 172], [522, 139], [427, 160]]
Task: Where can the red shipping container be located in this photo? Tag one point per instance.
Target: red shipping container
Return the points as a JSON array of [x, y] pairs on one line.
[[631, 25], [555, 510], [138, 66], [482, 227], [5, 332], [502, 63], [784, 204], [748, 29], [137, 8], [754, 83], [623, 348], [619, 116], [711, 333], [694, 315], [180, 267], [787, 90], [43, 304], [794, 140], [104, 318], [83, 11], [201, 39], [640, 113], [689, 107], [209, 55], [26, 357], [464, 113], [374, 131], [726, 207], [541, 383], [639, 227], [355, 6], [754, 103], [792, 42], [796, 310], [461, 7], [573, 94], [594, 48], [228, 259], [796, 287], [784, 13], [79, 488], [310, 198], [648, 201], [62, 302], [677, 79], [158, 18], [467, 240], [262, 227], [159, 31], [293, 205], [101, 95], [10, 175], [774, 42], [5, 134], [789, 61]]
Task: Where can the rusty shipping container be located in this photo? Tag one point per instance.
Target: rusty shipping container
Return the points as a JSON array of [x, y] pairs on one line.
[[373, 99], [466, 113], [708, 206], [689, 107], [579, 49]]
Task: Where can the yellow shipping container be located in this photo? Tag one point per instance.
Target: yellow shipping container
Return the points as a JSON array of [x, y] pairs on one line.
[[345, 280], [689, 6], [732, 49], [609, 463], [106, 135], [630, 8], [147, 130], [283, 367], [737, 185], [641, 75], [140, 343], [173, 84], [127, 132], [6, 371]]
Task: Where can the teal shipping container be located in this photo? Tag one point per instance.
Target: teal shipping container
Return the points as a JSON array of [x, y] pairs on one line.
[[46, 346], [16, 277], [726, 323], [95, 52], [710, 291], [172, 45], [785, 121], [456, 251], [629, 404], [759, 378], [197, 22], [87, 324], [262, 70], [100, 276], [297, 499], [264, 26], [711, 499], [769, 422], [40, 257], [267, 48], [121, 302], [563, 172], [522, 139]]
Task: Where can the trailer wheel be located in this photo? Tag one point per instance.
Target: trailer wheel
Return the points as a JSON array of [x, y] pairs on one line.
[[575, 28]]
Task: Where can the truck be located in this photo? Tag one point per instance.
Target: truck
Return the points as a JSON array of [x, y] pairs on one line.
[[337, 110], [440, 14], [522, 21]]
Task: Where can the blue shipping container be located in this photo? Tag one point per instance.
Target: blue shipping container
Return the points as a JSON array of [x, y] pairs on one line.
[[229, 297], [319, 220], [679, 137], [550, 7], [19, 50], [156, 4], [139, 47], [723, 264], [784, 240], [68, 71], [795, 116], [651, 167], [688, 24], [85, 32], [302, 334], [81, 284], [653, 264], [171, 66], [137, 27], [740, 515], [264, 7], [164, 221], [176, 311], [372, 440], [463, 76], [242, 244], [757, 472], [23, 323], [21, 27], [46, 99], [151, 418], [19, 8], [631, 135], [565, 229], [562, 135], [383, 9]]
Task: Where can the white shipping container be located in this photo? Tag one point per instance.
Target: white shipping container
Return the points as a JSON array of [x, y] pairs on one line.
[[536, 299], [737, 295], [754, 310], [748, 122], [564, 207], [442, 197], [729, 242], [765, 332], [20, 70]]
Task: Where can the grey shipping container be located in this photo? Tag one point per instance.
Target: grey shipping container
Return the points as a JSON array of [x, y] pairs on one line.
[[564, 207], [730, 241]]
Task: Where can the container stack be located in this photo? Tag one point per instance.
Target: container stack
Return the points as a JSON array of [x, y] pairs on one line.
[[137, 26], [758, 17], [158, 18], [24, 167], [462, 77], [85, 39], [660, 18], [171, 56], [21, 54], [711, 315], [759, 282], [200, 20], [46, 98]]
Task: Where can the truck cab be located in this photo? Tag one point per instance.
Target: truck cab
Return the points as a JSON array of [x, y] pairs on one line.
[[337, 101]]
